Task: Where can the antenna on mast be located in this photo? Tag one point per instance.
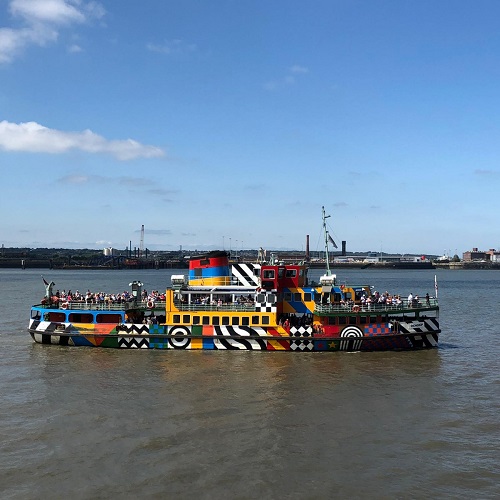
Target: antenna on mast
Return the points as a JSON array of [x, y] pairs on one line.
[[141, 247], [328, 279], [325, 230]]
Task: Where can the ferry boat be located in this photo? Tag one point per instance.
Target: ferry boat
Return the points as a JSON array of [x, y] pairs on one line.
[[267, 306]]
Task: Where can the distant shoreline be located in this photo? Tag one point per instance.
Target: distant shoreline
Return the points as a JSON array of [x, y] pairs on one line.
[[17, 263]]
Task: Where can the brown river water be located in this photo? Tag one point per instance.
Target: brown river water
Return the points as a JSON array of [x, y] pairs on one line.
[[86, 423]]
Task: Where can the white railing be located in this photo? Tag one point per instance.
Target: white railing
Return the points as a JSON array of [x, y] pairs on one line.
[[104, 306], [432, 303]]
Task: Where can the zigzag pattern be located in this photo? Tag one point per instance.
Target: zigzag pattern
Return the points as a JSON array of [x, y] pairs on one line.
[[133, 343], [133, 329]]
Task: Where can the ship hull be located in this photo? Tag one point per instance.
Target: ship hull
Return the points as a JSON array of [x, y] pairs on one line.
[[140, 336]]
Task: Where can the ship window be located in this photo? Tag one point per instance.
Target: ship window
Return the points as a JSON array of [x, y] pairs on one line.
[[291, 273], [288, 296], [245, 321], [216, 320], [206, 320], [348, 295], [269, 274], [342, 320], [261, 298], [265, 320], [301, 272], [198, 273], [196, 320], [35, 314], [297, 297], [363, 320], [352, 320], [268, 285], [80, 318], [255, 320], [225, 320], [176, 318], [332, 321], [108, 318], [186, 318], [281, 272], [271, 299], [57, 317], [373, 319], [235, 320], [307, 297]]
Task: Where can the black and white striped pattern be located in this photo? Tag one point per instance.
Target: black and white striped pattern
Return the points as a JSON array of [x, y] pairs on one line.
[[355, 335], [222, 340], [47, 332], [47, 338], [245, 274], [423, 341], [427, 325]]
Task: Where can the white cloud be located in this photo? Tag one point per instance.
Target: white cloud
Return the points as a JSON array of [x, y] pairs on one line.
[[41, 21], [74, 48], [47, 11], [34, 138], [298, 69], [288, 79], [172, 47]]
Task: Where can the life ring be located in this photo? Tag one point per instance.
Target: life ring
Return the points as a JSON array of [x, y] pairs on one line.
[[64, 305], [151, 304], [355, 309]]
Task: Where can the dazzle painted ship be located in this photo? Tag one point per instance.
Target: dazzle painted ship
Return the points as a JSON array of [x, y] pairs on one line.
[[268, 306]]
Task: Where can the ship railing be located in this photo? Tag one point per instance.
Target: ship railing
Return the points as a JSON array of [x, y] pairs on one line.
[[215, 307], [104, 306], [404, 305]]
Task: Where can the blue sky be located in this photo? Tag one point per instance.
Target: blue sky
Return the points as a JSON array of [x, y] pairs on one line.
[[231, 122]]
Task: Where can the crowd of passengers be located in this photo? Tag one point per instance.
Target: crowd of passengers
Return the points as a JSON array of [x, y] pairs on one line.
[[387, 299], [106, 298], [219, 300], [381, 298]]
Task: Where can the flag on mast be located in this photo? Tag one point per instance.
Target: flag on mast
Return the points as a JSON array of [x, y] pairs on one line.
[[332, 242]]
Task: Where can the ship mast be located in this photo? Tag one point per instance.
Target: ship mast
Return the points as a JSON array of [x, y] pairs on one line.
[[325, 230]]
